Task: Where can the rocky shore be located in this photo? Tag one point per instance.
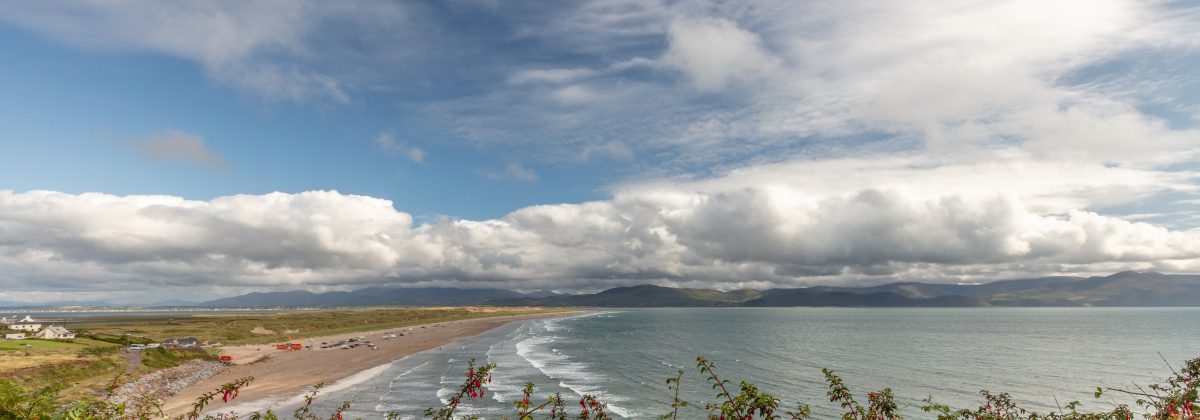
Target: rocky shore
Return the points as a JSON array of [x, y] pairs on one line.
[[165, 383]]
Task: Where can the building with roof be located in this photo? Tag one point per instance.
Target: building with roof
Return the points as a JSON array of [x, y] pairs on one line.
[[55, 333], [25, 326], [181, 342]]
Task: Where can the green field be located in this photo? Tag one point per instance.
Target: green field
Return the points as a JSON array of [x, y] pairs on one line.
[[275, 327], [38, 345]]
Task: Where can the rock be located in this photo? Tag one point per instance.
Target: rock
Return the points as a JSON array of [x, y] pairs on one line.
[[164, 383]]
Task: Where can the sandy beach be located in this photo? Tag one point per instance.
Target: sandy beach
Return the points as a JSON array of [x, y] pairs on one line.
[[279, 373]]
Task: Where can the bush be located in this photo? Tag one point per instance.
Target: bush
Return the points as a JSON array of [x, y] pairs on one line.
[[1173, 399], [160, 358]]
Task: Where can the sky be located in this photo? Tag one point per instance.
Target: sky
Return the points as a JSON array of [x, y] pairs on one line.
[[156, 150]]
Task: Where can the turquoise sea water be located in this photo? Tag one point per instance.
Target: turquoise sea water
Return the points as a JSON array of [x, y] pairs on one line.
[[1039, 355]]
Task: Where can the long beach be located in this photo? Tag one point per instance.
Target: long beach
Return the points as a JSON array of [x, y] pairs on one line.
[[279, 375]]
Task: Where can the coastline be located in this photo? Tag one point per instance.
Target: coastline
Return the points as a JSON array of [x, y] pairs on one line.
[[281, 376]]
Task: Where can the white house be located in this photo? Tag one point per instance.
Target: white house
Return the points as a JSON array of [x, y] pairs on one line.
[[181, 342], [55, 333], [5, 321], [25, 326], [14, 336]]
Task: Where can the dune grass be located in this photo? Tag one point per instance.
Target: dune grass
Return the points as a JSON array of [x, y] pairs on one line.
[[263, 328]]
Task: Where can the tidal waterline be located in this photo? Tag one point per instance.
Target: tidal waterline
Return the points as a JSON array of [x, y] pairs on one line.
[[1044, 357]]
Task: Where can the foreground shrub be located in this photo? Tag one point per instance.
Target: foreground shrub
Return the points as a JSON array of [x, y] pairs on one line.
[[1173, 399]]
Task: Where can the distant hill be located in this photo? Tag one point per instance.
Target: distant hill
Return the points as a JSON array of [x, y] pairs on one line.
[[23, 305], [803, 297], [1128, 288], [374, 296], [171, 303], [641, 296], [1120, 289]]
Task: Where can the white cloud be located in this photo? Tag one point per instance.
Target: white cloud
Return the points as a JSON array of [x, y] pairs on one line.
[[172, 144], [984, 148], [511, 170], [388, 143], [770, 80], [609, 150], [260, 46], [774, 225], [716, 52]]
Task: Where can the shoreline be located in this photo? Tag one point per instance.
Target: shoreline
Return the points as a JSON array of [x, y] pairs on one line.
[[281, 376]]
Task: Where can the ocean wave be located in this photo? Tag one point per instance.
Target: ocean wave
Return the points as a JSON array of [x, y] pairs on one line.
[[570, 374]]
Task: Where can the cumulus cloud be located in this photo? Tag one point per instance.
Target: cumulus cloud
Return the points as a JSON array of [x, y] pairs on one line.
[[388, 144], [173, 144], [781, 225]]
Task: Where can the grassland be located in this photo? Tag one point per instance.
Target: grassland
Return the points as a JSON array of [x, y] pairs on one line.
[[38, 346], [265, 328], [80, 366], [84, 365]]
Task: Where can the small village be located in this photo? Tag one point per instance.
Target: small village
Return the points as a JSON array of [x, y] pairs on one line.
[[27, 327]]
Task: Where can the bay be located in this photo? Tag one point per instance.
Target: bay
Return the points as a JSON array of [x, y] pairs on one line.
[[1043, 357]]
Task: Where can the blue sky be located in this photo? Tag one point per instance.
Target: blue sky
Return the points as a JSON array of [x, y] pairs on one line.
[[71, 113], [587, 144]]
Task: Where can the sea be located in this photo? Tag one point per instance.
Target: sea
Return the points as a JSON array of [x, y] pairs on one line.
[[1043, 357]]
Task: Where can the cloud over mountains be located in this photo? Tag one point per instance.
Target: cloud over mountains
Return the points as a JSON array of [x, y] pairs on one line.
[[763, 228]]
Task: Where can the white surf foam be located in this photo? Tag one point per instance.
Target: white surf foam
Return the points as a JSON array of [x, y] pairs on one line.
[[274, 403], [571, 374]]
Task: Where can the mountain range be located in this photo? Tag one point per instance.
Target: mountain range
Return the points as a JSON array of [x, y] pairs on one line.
[[374, 296], [1121, 289]]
